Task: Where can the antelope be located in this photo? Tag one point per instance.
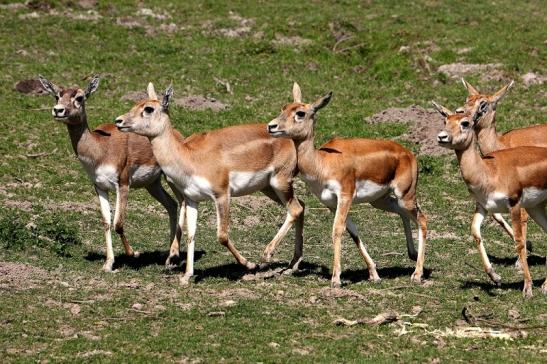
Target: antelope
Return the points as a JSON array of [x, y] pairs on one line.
[[218, 165], [490, 140], [113, 161], [502, 181], [347, 171]]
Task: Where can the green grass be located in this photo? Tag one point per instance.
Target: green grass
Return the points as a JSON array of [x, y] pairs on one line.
[[75, 312]]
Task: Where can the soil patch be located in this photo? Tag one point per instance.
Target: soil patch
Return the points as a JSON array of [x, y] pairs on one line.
[[30, 87], [532, 78], [425, 124], [458, 70], [200, 103], [21, 276], [291, 41], [134, 96]]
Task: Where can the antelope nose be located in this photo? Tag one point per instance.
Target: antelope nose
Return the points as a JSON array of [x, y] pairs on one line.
[[272, 127], [58, 110], [119, 121], [442, 137]]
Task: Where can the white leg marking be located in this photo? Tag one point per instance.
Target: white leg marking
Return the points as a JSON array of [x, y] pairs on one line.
[[107, 218]]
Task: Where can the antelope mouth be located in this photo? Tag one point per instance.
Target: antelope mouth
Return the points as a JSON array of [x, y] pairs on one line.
[[277, 133]]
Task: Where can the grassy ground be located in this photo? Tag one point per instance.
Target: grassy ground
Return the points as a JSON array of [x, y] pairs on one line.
[[61, 307]]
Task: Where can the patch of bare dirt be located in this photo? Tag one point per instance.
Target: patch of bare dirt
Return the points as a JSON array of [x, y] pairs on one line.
[[341, 293], [235, 293], [159, 15], [134, 96], [425, 125], [129, 22], [200, 103], [31, 86], [254, 202], [86, 4], [294, 41], [52, 206], [458, 70], [532, 78], [21, 276], [244, 26]]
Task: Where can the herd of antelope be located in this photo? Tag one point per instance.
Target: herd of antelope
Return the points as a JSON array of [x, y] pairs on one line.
[[503, 172]]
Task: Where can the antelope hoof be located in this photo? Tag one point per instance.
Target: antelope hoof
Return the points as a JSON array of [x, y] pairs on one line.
[[416, 278], [266, 258], [335, 283], [495, 277], [527, 292], [250, 266], [136, 254], [544, 288], [185, 280], [295, 262], [171, 261], [374, 277], [107, 267]]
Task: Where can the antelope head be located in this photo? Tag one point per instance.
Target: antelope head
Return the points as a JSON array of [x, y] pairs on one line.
[[149, 117], [70, 102], [297, 119]]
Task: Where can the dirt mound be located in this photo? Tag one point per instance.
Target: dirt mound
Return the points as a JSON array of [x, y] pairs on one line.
[[30, 87], [458, 70], [295, 41], [134, 96], [425, 125], [200, 103], [532, 78], [20, 276]]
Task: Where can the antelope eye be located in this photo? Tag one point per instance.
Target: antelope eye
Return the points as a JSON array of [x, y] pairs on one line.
[[149, 109], [300, 114], [465, 124], [56, 97], [80, 99]]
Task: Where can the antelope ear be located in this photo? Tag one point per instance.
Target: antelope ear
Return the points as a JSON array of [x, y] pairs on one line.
[[441, 109], [48, 86], [296, 93], [322, 102], [470, 89], [167, 98], [502, 92], [151, 92], [93, 86]]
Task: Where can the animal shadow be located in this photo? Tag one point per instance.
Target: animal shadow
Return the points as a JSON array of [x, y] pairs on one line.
[[533, 259], [145, 259], [489, 287]]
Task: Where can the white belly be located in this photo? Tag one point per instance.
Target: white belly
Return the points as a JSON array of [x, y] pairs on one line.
[[193, 187], [532, 196], [245, 183], [144, 175], [328, 192], [104, 176], [367, 191]]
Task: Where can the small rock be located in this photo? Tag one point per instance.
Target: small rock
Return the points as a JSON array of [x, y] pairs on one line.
[[273, 345], [404, 49], [532, 78], [137, 306], [75, 310], [216, 314]]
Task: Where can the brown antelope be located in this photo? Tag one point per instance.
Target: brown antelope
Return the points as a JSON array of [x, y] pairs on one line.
[[490, 140], [502, 181], [218, 165], [346, 171], [113, 161]]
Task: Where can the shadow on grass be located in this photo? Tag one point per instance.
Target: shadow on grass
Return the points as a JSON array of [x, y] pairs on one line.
[[489, 287], [145, 259], [533, 259], [357, 275]]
